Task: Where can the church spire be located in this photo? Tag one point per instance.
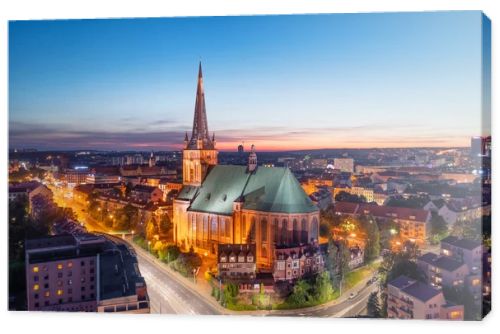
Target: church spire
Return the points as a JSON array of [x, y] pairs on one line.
[[200, 138]]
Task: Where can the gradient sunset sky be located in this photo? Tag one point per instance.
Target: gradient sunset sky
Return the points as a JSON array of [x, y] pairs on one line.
[[279, 82]]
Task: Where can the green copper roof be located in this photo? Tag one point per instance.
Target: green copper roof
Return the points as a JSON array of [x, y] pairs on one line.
[[187, 193], [268, 189], [275, 189]]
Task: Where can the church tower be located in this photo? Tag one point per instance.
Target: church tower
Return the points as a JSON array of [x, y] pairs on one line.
[[199, 151]]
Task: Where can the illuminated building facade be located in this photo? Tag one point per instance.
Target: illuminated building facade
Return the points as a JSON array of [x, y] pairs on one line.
[[225, 204]]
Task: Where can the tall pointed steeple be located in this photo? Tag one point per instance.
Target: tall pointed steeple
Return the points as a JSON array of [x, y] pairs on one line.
[[200, 138], [199, 152]]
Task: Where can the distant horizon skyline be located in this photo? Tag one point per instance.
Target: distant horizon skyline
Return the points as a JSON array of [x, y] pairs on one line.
[[282, 83]]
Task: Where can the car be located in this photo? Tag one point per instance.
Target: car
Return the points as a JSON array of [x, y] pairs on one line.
[[352, 295]]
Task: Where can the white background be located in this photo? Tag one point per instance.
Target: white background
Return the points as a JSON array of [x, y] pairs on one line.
[[99, 323]]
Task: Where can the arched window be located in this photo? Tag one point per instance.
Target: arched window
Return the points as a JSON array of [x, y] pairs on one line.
[[295, 232], [205, 227], [252, 230], [263, 251], [284, 232], [276, 231], [263, 229], [244, 229], [227, 226], [314, 229], [303, 231]]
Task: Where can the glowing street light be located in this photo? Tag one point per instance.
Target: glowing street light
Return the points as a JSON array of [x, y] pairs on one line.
[[393, 231]]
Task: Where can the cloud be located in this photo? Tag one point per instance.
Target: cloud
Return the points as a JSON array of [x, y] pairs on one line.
[[170, 137]]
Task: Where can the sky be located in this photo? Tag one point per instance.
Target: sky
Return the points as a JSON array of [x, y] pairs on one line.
[[279, 82]]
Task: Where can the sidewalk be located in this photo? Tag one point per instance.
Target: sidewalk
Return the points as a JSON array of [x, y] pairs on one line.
[[202, 288]]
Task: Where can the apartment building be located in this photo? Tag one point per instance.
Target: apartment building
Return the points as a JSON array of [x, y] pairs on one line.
[[411, 299]]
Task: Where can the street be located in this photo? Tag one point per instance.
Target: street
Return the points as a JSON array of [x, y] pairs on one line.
[[169, 294]]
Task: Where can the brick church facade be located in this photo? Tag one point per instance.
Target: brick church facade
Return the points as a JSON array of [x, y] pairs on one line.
[[227, 204]]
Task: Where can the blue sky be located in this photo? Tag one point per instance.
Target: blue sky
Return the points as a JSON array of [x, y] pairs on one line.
[[280, 82]]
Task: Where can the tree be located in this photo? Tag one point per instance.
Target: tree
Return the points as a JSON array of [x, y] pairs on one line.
[[337, 261], [372, 247], [439, 228], [324, 230], [397, 264], [344, 196], [165, 224], [323, 290], [151, 229], [300, 293], [331, 262], [373, 306]]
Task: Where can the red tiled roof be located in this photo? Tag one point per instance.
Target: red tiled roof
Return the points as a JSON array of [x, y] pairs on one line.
[[382, 211], [347, 208]]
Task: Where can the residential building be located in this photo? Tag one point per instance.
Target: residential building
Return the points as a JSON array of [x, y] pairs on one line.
[[462, 210], [356, 257], [344, 164], [413, 223], [147, 193], [292, 263], [236, 261], [411, 299], [102, 178], [443, 271], [83, 272], [74, 176], [463, 250]]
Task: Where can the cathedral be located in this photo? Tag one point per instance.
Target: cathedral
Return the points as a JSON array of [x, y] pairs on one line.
[[226, 204]]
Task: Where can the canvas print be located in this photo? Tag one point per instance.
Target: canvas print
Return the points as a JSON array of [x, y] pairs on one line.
[[289, 165]]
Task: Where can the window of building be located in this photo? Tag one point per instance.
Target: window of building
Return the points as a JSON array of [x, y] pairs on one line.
[[213, 228], [70, 264], [37, 304], [47, 294], [284, 232], [35, 278], [252, 230], [263, 229], [227, 228], [36, 287], [59, 266], [46, 285], [35, 269], [244, 228], [46, 303], [59, 292], [303, 231]]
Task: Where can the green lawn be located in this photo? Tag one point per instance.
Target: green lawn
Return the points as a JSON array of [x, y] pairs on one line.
[[354, 277]]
